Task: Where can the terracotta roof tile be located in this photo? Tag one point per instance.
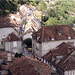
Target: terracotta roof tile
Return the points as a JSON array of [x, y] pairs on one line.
[[11, 37], [28, 66], [58, 32], [3, 55], [61, 50], [5, 67], [41, 67], [21, 66], [67, 63], [33, 23], [10, 21], [66, 50], [4, 24]]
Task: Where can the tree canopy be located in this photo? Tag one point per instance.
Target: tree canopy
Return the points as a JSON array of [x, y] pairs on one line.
[[42, 6], [61, 13], [10, 6]]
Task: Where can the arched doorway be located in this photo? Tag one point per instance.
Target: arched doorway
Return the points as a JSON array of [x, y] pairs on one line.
[[28, 42]]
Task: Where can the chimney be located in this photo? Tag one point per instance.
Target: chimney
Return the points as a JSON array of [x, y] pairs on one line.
[[9, 56]]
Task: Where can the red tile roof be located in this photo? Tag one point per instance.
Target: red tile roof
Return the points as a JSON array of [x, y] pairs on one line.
[[4, 24], [58, 32], [67, 51], [33, 25], [11, 37], [3, 55], [60, 50], [12, 22], [41, 67], [67, 63], [28, 66]]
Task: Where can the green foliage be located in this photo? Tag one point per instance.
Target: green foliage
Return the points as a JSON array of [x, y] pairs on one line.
[[52, 21], [18, 55], [1, 13], [50, 5], [61, 13], [34, 2], [25, 22], [10, 6], [42, 6], [44, 18], [51, 13]]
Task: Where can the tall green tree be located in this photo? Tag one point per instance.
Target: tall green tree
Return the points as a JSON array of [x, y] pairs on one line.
[[51, 12], [42, 6], [52, 21]]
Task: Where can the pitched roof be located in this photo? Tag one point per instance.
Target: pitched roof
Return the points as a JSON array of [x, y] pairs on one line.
[[61, 50], [33, 23], [11, 37], [40, 66], [12, 22], [67, 63], [67, 51], [28, 66], [13, 19], [4, 24], [3, 55], [57, 32]]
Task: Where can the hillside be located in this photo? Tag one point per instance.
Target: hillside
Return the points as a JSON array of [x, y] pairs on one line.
[[10, 6], [62, 12]]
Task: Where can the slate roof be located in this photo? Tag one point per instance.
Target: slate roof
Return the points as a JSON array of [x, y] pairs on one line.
[[57, 32], [28, 66], [11, 37]]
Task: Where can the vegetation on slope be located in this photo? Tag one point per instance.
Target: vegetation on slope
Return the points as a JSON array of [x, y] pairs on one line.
[[62, 12], [10, 6]]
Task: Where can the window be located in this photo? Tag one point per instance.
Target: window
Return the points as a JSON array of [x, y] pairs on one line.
[[37, 48], [3, 36], [4, 23], [7, 46], [14, 44], [1, 42], [53, 39], [69, 37]]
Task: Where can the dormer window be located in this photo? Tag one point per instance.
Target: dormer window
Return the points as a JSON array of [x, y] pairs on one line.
[[4, 23], [3, 36], [52, 39], [69, 37], [58, 58]]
